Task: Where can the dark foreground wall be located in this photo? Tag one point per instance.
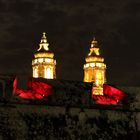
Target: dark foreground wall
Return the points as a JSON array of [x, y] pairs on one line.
[[41, 122], [68, 114]]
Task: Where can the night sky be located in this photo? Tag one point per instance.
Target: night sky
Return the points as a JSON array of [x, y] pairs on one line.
[[70, 26]]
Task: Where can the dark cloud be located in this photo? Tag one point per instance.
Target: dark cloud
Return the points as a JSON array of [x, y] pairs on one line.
[[70, 26]]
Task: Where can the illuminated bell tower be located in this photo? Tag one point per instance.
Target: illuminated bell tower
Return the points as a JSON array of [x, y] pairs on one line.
[[44, 64], [95, 68]]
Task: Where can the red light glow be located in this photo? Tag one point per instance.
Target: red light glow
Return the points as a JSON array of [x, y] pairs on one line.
[[37, 90], [111, 95]]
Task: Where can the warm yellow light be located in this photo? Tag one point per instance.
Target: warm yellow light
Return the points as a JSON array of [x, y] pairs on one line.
[[92, 64], [98, 90], [94, 68], [35, 60], [94, 59], [44, 64], [87, 65], [48, 73], [44, 46], [35, 73], [99, 75], [99, 64], [97, 82], [40, 60], [96, 50], [46, 54], [48, 60]]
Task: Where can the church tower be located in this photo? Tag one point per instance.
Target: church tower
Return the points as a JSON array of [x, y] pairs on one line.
[[95, 68], [44, 64]]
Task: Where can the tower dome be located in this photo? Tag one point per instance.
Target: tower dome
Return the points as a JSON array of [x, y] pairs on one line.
[[44, 64], [95, 68]]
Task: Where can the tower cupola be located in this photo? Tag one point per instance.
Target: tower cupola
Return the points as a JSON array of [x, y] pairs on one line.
[[44, 64], [95, 68]]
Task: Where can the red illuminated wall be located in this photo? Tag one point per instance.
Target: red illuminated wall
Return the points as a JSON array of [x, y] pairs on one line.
[[111, 95], [36, 90]]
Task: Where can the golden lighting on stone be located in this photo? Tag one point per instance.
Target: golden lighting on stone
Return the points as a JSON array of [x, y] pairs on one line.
[[95, 68], [43, 44], [44, 64], [98, 90]]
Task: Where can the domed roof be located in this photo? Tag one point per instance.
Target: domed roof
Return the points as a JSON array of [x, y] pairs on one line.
[[94, 54], [43, 50]]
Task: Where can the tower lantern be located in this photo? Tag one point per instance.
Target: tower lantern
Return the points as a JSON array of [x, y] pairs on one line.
[[95, 68], [44, 64]]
